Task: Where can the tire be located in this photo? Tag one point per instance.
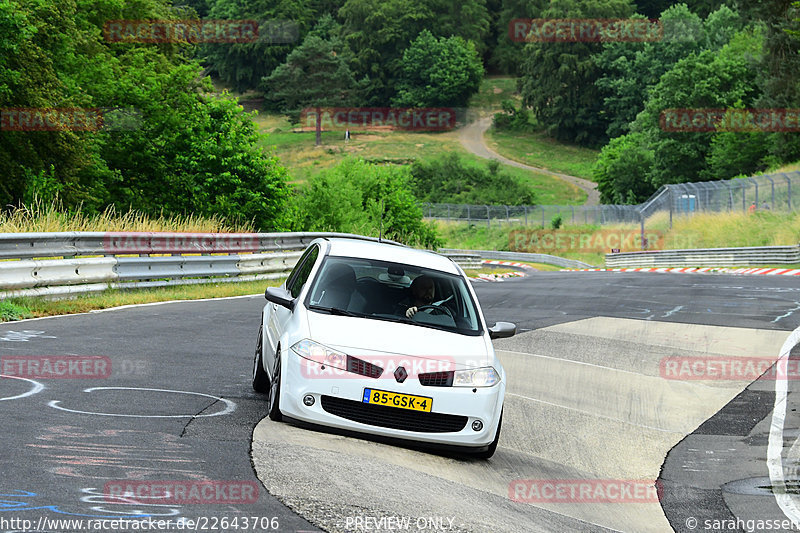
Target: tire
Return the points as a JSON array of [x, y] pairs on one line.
[[275, 391], [260, 377], [493, 446]]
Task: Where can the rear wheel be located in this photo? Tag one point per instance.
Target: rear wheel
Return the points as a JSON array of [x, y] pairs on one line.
[[275, 390], [493, 446], [260, 377]]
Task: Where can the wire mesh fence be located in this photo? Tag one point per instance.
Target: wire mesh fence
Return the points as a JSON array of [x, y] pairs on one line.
[[773, 192]]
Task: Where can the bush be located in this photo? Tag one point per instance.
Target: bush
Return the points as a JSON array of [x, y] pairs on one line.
[[556, 221], [513, 119], [357, 197], [449, 179]]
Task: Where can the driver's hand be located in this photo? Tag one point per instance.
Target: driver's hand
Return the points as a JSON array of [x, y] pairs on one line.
[[411, 312]]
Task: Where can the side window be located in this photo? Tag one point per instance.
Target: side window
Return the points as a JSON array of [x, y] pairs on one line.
[[301, 272]]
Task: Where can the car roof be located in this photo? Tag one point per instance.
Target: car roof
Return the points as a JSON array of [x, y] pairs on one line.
[[390, 252]]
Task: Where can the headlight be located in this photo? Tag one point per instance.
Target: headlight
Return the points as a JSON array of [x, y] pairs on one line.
[[320, 354], [476, 377]]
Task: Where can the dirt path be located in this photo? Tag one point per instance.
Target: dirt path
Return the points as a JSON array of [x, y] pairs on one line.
[[471, 137]]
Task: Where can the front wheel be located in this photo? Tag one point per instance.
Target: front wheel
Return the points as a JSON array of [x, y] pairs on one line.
[[275, 391], [493, 446], [260, 377]]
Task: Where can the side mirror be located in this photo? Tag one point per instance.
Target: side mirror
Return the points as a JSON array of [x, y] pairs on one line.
[[280, 296], [502, 330]]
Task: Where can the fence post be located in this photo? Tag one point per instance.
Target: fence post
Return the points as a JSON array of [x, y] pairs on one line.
[[744, 200], [526, 215], [789, 188], [542, 216], [641, 224], [756, 184], [671, 205], [488, 218], [772, 189]]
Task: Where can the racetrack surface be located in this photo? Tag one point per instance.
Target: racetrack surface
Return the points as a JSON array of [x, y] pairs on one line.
[[586, 400]]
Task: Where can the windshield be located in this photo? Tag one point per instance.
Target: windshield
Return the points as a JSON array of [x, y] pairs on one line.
[[383, 290]]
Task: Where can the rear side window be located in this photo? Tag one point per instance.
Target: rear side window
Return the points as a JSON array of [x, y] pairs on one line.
[[301, 271]]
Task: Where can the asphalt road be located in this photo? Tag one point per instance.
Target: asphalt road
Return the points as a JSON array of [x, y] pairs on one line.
[[177, 403]]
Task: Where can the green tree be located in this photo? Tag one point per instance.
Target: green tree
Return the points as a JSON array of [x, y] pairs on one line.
[[557, 80], [438, 72], [179, 149], [378, 31], [778, 70], [506, 52], [316, 73], [631, 69], [622, 169], [728, 79], [284, 24]]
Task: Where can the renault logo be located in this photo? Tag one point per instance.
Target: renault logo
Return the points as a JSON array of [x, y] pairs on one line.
[[400, 374]]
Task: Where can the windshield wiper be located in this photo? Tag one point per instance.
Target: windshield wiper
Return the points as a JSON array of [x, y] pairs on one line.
[[334, 310]]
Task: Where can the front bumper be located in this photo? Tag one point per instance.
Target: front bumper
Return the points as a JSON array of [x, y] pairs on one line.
[[338, 395]]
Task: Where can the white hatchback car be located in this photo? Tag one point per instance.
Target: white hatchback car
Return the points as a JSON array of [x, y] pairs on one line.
[[338, 347]]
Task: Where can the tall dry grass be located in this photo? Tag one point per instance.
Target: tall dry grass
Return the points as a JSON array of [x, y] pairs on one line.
[[53, 217]]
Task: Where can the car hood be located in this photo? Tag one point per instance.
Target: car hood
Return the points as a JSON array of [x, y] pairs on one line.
[[367, 337]]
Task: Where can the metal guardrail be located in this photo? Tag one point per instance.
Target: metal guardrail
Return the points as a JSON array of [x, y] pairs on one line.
[[520, 256], [466, 260], [33, 264], [708, 257]]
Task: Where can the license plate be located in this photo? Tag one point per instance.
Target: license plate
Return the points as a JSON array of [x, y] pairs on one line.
[[395, 399]]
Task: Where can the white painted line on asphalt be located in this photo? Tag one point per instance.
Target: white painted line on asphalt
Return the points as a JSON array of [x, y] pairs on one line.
[[229, 405], [620, 420], [775, 446], [610, 368], [37, 387]]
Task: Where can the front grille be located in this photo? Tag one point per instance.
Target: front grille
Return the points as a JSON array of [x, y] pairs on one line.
[[364, 368], [393, 417], [437, 379]]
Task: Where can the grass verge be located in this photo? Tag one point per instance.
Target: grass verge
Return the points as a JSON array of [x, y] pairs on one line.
[[28, 307], [51, 217], [538, 150]]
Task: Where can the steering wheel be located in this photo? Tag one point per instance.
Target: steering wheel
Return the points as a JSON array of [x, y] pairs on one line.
[[440, 308]]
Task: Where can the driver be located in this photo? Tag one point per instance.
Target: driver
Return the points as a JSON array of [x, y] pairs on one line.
[[422, 292]]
